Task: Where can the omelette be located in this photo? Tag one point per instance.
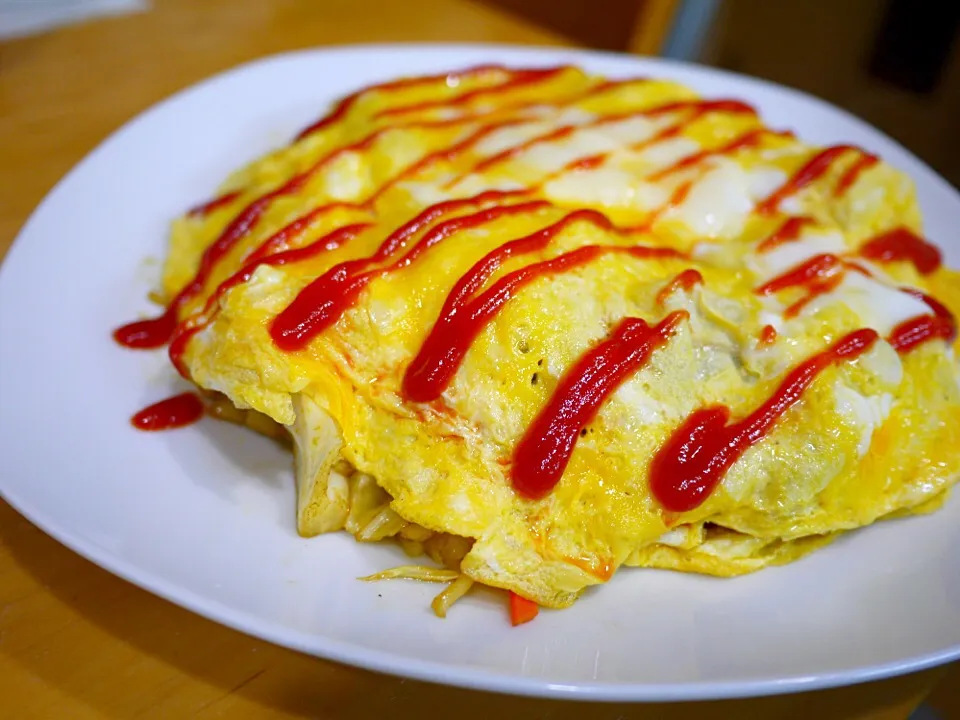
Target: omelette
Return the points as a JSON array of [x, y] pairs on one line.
[[535, 325]]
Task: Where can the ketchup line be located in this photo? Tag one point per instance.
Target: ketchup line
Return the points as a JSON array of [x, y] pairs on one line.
[[849, 177], [145, 334], [251, 215], [686, 280], [788, 232], [398, 238], [592, 162], [331, 241], [768, 335], [177, 411], [814, 290], [910, 333], [816, 268], [344, 105], [520, 78], [215, 204], [449, 227], [900, 244], [447, 153], [813, 169], [227, 198], [321, 303], [155, 332], [699, 107], [746, 140], [281, 239], [193, 325], [727, 105], [556, 134], [461, 319], [544, 452], [695, 458], [822, 274], [324, 300]]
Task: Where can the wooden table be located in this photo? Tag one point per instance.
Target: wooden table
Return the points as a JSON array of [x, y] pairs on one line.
[[76, 642]]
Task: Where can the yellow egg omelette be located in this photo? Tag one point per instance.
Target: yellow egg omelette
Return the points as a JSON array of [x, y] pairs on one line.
[[535, 325]]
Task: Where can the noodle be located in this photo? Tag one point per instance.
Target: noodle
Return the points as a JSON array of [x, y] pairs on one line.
[[414, 572], [454, 591], [384, 524]]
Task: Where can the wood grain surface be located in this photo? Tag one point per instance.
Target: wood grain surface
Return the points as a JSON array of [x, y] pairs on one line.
[[79, 643]]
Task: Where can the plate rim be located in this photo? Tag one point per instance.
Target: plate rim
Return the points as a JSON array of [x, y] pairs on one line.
[[382, 661]]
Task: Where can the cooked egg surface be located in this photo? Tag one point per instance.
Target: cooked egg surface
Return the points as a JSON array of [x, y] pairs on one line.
[[410, 286]]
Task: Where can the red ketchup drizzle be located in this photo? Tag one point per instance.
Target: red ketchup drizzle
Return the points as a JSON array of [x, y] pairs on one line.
[[462, 319], [768, 336], [664, 134], [150, 333], [487, 163], [788, 232], [156, 332], [521, 78], [544, 452], [693, 461], [174, 412], [910, 333], [446, 154], [686, 280], [343, 107], [849, 177], [679, 195], [857, 267], [809, 273], [187, 329], [510, 152], [699, 107], [591, 162], [749, 139], [815, 168], [608, 85], [211, 205], [814, 290], [704, 106], [902, 245], [824, 273], [282, 238], [321, 303]]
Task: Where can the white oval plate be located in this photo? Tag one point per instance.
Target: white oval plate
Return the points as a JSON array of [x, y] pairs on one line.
[[204, 516]]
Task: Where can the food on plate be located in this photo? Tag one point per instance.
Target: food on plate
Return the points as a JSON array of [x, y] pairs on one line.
[[535, 325]]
